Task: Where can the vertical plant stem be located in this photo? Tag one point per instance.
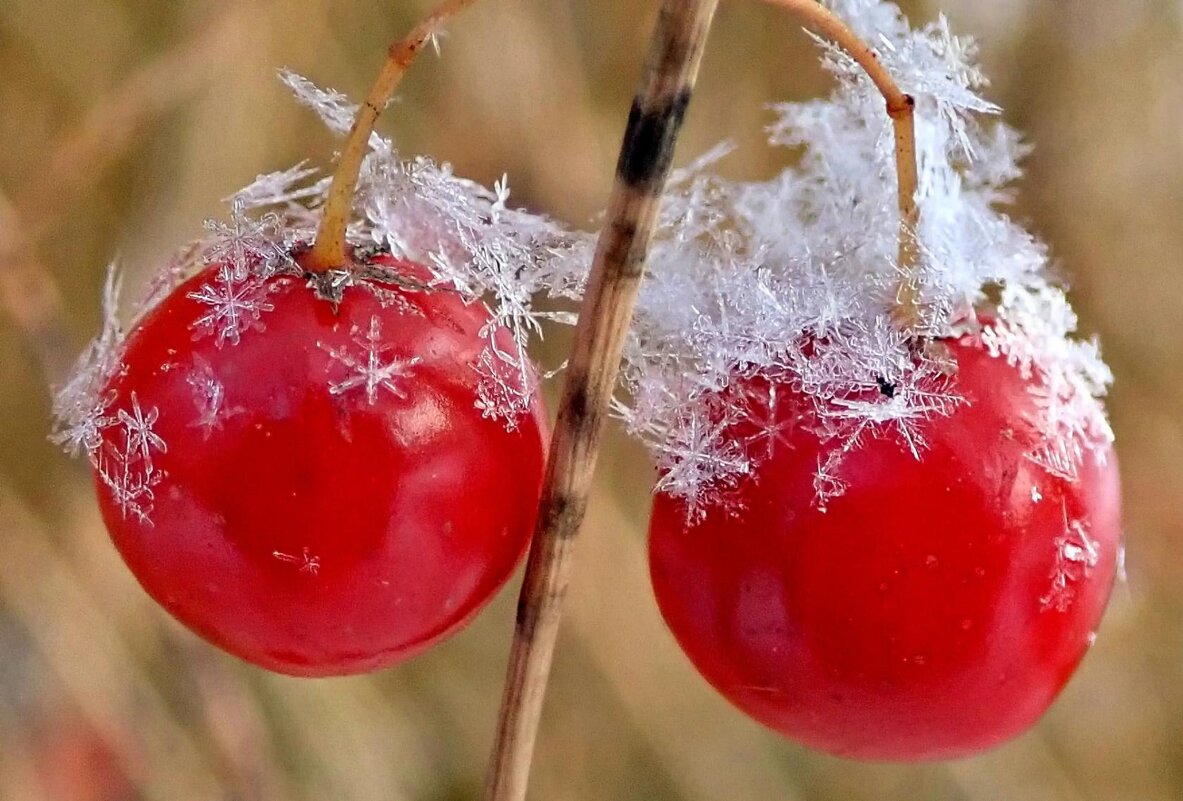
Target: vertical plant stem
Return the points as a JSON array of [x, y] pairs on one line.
[[641, 171], [329, 250]]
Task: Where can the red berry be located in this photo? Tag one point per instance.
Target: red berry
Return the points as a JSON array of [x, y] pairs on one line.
[[932, 610], [313, 487]]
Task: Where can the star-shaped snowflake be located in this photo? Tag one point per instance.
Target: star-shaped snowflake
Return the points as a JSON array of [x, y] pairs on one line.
[[248, 246], [235, 306], [764, 412], [371, 368], [137, 425], [700, 460], [125, 461]]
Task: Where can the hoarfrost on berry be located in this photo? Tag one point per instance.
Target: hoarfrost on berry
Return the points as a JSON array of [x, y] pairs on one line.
[[467, 237], [794, 277], [797, 276]]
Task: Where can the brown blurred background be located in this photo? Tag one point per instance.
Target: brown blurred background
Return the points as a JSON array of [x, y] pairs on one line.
[[123, 123]]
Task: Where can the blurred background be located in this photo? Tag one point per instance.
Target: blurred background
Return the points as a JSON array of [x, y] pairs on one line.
[[122, 125]]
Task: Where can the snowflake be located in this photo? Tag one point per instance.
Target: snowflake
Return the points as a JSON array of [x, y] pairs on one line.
[[137, 425], [826, 483], [81, 407], [1068, 377], [280, 188], [248, 246], [209, 398], [903, 409], [133, 490], [435, 36], [794, 277], [236, 306], [125, 460], [373, 370], [700, 455], [1076, 556], [308, 563], [763, 410], [85, 434], [333, 108]]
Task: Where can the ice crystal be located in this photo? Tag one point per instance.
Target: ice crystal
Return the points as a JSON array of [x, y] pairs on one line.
[[137, 427], [306, 562], [209, 398], [1031, 333], [236, 305], [796, 278], [124, 459], [371, 368], [1076, 556], [333, 108], [465, 234], [247, 246], [81, 408], [700, 454], [119, 442]]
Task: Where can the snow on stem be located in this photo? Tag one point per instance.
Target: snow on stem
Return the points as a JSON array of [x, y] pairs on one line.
[[329, 248], [641, 172], [901, 110]]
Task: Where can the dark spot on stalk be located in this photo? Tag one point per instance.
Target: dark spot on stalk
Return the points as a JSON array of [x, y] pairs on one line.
[[649, 139]]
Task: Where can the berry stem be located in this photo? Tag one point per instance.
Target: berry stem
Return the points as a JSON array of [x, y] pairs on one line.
[[329, 249], [901, 109], [645, 154]]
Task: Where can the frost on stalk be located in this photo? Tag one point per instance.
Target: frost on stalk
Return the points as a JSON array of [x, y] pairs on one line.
[[796, 278]]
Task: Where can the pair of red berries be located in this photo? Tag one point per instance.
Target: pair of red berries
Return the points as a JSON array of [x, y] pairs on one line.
[[313, 486]]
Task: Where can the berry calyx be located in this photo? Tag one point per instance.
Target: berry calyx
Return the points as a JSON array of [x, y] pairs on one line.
[[880, 604], [311, 484]]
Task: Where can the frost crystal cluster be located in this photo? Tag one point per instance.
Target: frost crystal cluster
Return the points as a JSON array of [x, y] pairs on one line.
[[465, 236], [792, 277], [797, 277]]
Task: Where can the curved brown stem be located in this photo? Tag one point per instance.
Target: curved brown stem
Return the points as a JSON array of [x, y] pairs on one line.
[[329, 249], [901, 109], [604, 318]]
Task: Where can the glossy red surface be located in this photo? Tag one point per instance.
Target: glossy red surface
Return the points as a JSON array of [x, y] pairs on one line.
[[312, 531], [932, 611]]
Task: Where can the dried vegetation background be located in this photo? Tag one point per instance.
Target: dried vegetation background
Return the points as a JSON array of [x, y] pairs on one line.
[[122, 124]]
